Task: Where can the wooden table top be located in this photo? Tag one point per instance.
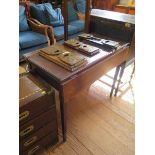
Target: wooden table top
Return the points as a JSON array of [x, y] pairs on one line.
[[59, 73]]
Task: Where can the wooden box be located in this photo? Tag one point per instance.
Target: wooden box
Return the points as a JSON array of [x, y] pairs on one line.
[[37, 114], [35, 97]]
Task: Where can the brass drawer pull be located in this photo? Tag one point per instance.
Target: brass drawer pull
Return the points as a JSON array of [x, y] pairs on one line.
[[33, 150], [43, 92], [23, 115], [26, 131], [128, 25], [30, 141]]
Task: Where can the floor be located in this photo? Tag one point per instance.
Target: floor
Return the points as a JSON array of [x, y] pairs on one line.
[[98, 125]]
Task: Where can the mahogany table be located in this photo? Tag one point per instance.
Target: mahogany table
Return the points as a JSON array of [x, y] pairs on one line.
[[70, 83]]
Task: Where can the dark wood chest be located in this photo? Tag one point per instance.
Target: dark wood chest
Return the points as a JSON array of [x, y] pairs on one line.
[[114, 25], [37, 115]]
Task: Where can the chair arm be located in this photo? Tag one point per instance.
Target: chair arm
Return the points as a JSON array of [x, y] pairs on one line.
[[43, 29], [81, 16], [51, 34], [50, 29], [36, 21], [40, 28]]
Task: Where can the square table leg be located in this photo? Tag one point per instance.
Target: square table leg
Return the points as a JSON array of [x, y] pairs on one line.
[[122, 67], [132, 73], [115, 79], [63, 113]]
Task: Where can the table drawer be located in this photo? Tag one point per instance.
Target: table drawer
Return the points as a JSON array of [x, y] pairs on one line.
[[50, 139], [33, 138], [33, 125]]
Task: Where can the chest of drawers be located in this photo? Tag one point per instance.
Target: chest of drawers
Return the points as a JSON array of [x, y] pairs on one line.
[[37, 115]]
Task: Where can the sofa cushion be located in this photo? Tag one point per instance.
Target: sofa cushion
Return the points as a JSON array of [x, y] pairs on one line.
[[81, 6], [27, 50], [60, 18], [39, 12], [51, 14], [71, 12], [59, 31], [29, 39], [23, 26], [54, 17], [79, 24]]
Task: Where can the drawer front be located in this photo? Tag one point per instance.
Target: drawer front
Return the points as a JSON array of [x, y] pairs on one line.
[[33, 138], [38, 146], [33, 125], [32, 109]]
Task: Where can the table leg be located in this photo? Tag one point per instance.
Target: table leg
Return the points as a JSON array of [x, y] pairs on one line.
[[114, 81], [132, 73], [120, 76], [63, 113]]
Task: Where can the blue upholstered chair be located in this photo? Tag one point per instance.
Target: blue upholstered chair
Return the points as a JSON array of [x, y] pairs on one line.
[[81, 6], [45, 14], [31, 35]]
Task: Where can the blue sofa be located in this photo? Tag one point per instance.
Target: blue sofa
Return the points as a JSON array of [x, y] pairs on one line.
[[81, 6], [45, 14], [31, 35]]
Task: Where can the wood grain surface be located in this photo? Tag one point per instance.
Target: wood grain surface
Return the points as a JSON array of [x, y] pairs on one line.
[[98, 125]]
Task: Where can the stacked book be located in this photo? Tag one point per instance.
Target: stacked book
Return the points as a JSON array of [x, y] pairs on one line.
[[84, 48], [68, 60]]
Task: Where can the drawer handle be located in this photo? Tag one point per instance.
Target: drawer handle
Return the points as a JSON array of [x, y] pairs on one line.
[[43, 92], [30, 141], [26, 131], [33, 150], [127, 25], [23, 115]]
